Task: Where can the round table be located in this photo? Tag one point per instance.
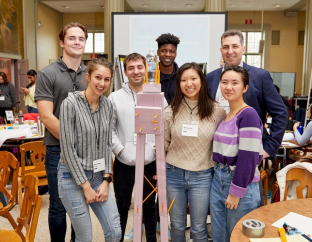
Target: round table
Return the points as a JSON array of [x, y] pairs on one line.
[[269, 214]]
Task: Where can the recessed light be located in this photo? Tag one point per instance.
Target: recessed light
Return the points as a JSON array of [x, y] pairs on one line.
[[232, 4], [102, 6], [277, 5], [145, 5], [189, 5], [66, 6]]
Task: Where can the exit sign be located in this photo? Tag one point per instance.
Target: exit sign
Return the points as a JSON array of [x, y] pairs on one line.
[[248, 21]]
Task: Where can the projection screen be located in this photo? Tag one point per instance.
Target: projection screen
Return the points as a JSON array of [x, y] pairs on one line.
[[199, 34]]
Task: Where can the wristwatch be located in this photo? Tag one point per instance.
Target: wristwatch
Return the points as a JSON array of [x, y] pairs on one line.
[[108, 179]]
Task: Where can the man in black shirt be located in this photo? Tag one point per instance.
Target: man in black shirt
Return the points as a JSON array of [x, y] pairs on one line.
[[167, 52]]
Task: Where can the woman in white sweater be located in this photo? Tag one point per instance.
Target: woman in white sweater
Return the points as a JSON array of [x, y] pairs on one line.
[[307, 135], [190, 123]]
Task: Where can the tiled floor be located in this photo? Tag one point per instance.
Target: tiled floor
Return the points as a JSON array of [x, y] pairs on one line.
[[42, 234]]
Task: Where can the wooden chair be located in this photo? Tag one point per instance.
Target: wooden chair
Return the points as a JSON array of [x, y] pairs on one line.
[[265, 181], [8, 165], [305, 178], [37, 166], [29, 215]]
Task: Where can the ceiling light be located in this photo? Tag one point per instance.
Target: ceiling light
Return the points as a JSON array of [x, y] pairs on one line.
[[66, 6], [189, 5], [145, 5], [232, 4], [102, 6], [277, 5]]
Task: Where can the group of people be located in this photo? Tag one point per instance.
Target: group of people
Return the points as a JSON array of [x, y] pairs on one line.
[[8, 94], [214, 139]]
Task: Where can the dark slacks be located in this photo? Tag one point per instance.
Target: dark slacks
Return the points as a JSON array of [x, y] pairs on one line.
[[124, 178]]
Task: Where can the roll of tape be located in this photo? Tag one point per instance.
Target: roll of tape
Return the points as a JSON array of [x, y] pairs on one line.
[[253, 228]]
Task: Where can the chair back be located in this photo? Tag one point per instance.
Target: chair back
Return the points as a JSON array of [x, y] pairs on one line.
[[37, 157], [8, 165], [29, 215], [305, 179]]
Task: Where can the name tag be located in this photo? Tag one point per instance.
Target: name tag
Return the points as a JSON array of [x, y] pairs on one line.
[[190, 130], [2, 98], [98, 165]]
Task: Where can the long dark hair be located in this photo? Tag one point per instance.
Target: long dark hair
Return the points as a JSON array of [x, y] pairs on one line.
[[5, 78], [205, 101], [31, 72]]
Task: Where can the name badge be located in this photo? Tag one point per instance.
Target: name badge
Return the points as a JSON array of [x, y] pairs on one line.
[[2, 98], [98, 165], [224, 102], [190, 130]]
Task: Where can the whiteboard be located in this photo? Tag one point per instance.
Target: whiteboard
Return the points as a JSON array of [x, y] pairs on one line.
[[199, 33]]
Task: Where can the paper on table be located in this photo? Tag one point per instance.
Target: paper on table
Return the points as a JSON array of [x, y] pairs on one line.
[[13, 133], [302, 223], [288, 144], [291, 238]]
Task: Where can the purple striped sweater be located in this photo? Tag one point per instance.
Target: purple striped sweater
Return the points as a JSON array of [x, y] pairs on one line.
[[238, 142]]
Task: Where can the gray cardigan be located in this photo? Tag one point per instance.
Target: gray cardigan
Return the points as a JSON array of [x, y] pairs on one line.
[[8, 91]]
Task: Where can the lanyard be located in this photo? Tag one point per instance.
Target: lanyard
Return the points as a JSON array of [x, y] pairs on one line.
[[97, 138], [191, 109]]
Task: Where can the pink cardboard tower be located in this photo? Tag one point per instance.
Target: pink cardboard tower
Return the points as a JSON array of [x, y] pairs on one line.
[[149, 119]]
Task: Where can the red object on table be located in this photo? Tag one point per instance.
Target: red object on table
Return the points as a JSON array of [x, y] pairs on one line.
[[31, 116]]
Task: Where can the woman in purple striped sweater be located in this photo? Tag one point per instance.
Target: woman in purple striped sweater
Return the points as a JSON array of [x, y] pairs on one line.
[[237, 151]]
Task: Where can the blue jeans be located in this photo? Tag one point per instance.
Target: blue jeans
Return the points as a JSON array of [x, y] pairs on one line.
[[193, 188], [223, 220], [31, 109], [74, 201], [57, 212]]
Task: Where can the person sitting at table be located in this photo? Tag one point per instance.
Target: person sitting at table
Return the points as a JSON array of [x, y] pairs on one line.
[[84, 171], [237, 152], [307, 135], [29, 92], [7, 95]]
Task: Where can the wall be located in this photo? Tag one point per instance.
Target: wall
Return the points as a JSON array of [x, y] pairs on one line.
[[93, 21], [286, 57], [48, 42]]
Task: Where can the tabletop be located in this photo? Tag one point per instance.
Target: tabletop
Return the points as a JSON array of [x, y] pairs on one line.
[[269, 214]]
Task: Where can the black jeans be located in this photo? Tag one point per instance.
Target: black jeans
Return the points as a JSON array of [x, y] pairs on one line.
[[124, 177]]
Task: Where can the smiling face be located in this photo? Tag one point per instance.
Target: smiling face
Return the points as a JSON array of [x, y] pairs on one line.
[[74, 42], [135, 71], [232, 50], [167, 54], [190, 84], [232, 86], [99, 80]]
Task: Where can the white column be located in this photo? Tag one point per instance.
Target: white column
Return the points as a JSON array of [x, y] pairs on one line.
[[307, 58], [215, 6], [111, 6]]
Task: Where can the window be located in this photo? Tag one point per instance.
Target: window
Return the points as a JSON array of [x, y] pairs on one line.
[[252, 41], [95, 43]]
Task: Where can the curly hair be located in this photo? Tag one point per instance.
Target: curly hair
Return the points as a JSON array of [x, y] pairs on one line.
[[168, 39]]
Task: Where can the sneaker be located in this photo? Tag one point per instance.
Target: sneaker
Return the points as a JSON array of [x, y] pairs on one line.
[[129, 236], [158, 227]]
